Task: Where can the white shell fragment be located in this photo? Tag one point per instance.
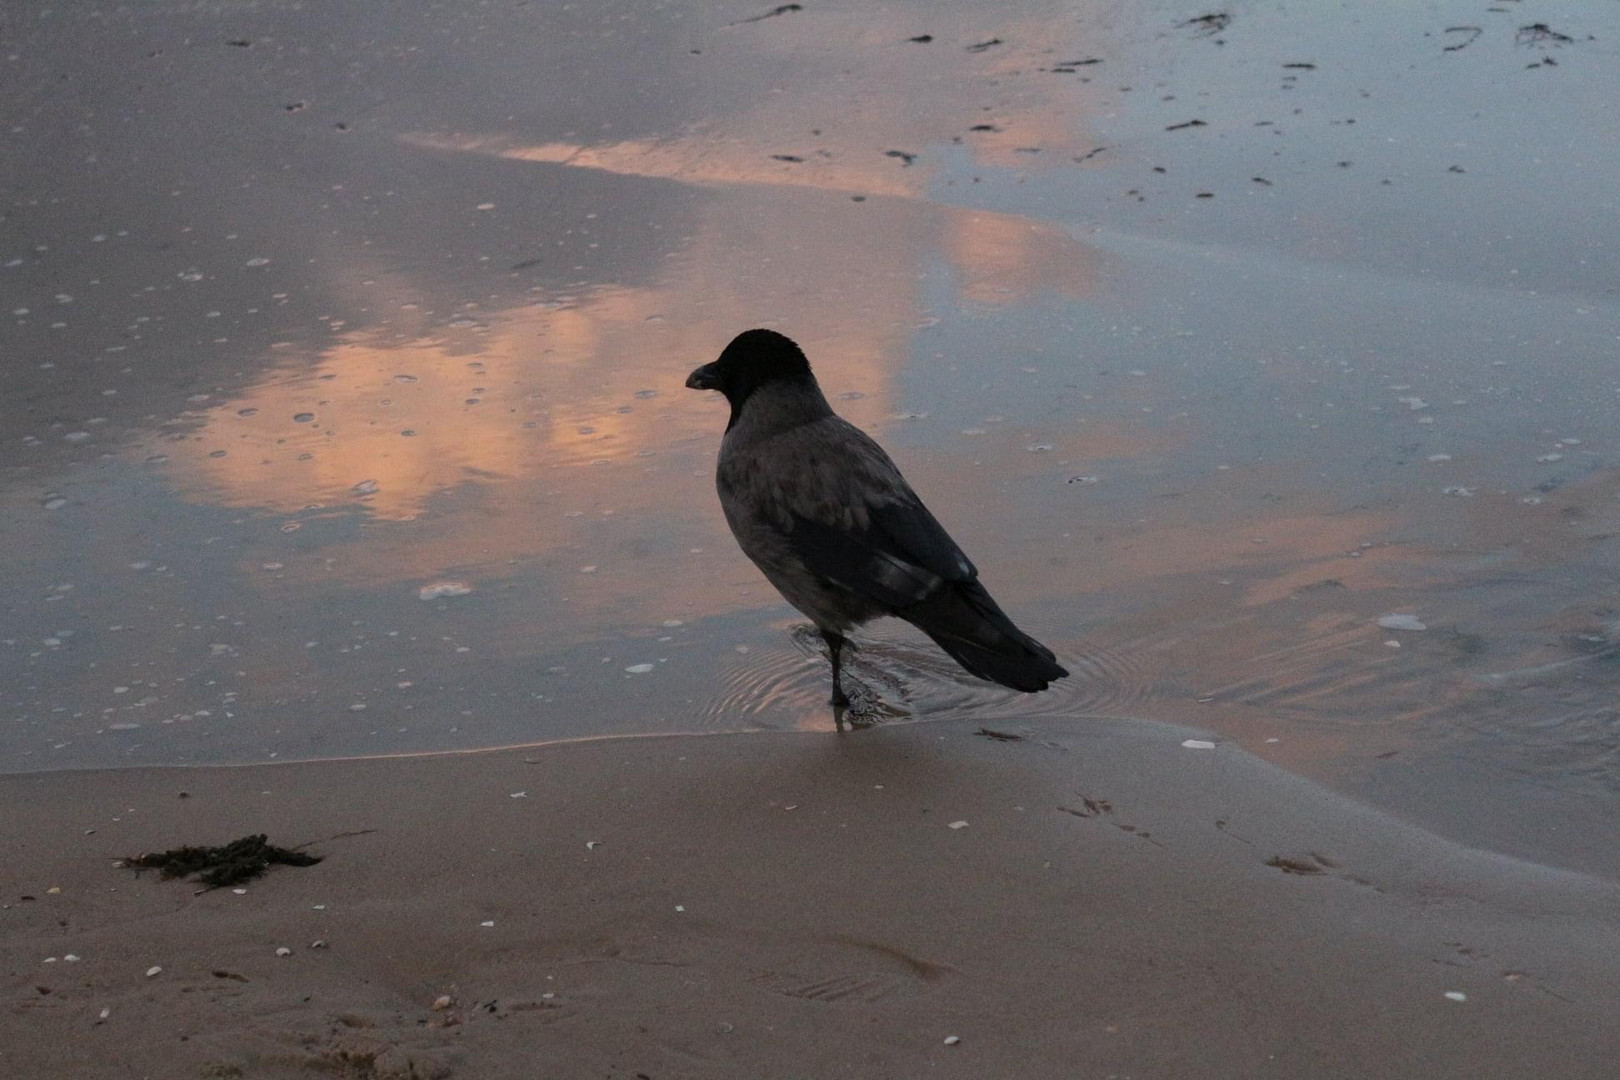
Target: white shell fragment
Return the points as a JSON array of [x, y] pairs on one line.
[[1197, 744], [154, 970], [952, 1040], [1401, 622], [639, 669], [957, 825], [283, 951], [1456, 995], [441, 1003]]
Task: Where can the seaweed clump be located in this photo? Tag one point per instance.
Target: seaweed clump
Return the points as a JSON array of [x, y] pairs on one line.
[[218, 867]]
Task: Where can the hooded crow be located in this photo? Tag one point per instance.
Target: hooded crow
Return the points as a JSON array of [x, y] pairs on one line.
[[822, 511]]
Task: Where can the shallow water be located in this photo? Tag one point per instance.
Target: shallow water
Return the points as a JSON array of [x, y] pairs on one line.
[[341, 407]]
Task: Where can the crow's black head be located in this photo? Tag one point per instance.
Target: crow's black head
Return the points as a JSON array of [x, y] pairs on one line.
[[755, 358]]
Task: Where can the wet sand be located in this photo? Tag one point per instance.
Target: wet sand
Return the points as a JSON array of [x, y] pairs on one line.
[[1117, 904]]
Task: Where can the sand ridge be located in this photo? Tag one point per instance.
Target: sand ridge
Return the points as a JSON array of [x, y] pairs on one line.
[[793, 905]]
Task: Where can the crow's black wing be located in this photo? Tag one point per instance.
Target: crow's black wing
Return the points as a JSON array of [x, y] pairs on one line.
[[898, 557], [845, 510]]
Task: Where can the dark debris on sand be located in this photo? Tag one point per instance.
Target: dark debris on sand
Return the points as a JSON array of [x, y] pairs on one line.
[[1540, 34], [1207, 25], [999, 736], [219, 867], [783, 9]]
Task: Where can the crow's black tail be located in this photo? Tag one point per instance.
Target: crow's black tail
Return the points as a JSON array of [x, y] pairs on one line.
[[965, 622]]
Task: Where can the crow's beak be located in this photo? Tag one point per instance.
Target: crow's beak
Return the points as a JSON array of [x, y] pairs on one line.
[[704, 378]]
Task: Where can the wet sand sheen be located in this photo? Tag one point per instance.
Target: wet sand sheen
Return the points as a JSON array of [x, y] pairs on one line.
[[741, 906]]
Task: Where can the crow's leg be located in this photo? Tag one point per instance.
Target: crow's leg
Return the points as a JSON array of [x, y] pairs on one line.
[[835, 645]]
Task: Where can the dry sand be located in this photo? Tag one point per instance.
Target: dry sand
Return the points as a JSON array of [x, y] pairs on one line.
[[792, 906]]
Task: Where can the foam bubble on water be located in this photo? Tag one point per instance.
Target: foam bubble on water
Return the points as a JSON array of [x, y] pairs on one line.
[[1401, 622], [443, 588]]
